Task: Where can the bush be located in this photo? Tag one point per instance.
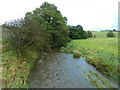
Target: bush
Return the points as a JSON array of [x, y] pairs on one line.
[[89, 34], [110, 34], [23, 34]]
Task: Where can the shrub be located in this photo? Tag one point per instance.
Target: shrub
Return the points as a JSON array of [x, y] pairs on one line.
[[89, 34], [110, 34], [22, 34]]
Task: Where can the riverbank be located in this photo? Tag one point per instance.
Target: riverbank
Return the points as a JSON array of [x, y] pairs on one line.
[[102, 53], [15, 72]]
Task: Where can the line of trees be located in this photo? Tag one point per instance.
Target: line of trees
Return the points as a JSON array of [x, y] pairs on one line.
[[41, 29], [77, 32], [114, 30]]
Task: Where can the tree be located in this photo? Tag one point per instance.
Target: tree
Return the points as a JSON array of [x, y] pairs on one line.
[[94, 36], [23, 34], [15, 36], [114, 30], [89, 34], [110, 34], [55, 23], [77, 32]]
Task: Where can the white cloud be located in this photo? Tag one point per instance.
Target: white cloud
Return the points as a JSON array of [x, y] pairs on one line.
[[91, 14]]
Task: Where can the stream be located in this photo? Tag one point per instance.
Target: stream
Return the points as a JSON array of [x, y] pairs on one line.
[[61, 70]]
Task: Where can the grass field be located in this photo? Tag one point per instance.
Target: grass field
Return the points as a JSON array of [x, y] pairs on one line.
[[102, 34], [101, 52]]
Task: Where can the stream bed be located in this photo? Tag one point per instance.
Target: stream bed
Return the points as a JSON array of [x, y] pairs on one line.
[[61, 70]]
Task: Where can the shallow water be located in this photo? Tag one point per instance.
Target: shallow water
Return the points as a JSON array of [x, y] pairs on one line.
[[61, 70]]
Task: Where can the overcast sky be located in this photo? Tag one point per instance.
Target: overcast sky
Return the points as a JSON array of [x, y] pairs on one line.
[[91, 14]]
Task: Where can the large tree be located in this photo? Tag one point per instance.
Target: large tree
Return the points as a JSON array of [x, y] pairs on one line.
[[54, 23]]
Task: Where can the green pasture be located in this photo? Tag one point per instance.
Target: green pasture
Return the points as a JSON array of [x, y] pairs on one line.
[[101, 52], [102, 34]]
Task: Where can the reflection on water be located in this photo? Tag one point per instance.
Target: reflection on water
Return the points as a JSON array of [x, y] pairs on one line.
[[61, 70]]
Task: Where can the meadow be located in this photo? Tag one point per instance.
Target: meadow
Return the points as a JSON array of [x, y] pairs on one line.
[[102, 34], [101, 52]]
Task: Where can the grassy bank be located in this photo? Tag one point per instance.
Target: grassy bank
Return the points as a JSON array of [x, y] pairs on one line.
[[14, 71], [102, 53]]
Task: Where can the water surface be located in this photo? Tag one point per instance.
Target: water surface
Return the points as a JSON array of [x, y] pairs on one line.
[[61, 70]]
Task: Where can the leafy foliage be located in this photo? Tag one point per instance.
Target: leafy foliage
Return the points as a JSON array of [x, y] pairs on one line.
[[77, 32], [110, 34], [54, 23], [41, 29], [89, 34], [23, 34]]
